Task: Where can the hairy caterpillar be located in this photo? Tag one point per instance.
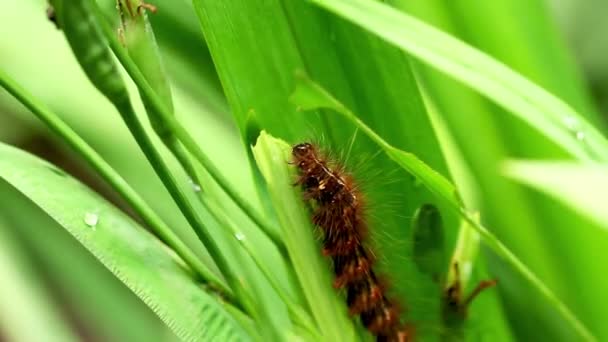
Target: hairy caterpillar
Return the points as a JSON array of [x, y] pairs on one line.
[[340, 216]]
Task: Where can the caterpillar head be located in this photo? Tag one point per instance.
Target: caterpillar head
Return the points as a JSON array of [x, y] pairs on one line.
[[303, 150]]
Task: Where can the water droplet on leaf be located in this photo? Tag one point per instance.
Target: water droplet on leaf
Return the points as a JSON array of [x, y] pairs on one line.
[[574, 126], [570, 122], [239, 236], [91, 219], [195, 187]]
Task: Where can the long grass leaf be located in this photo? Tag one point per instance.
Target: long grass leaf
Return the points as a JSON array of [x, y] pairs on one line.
[[582, 187], [551, 116], [139, 260]]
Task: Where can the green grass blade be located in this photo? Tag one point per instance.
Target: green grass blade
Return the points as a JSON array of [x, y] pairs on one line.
[[257, 47], [84, 29], [256, 64], [246, 286], [309, 95], [327, 308], [533, 45], [529, 43], [486, 312], [135, 257], [231, 267], [582, 188], [26, 311], [255, 251], [139, 40], [84, 285], [537, 230], [147, 92], [530, 103], [65, 89], [253, 59], [112, 177]]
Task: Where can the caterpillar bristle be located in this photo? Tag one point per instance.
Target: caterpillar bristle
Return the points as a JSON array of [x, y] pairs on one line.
[[339, 214], [352, 268]]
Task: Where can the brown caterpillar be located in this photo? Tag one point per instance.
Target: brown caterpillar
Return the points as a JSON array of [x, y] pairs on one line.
[[340, 216]]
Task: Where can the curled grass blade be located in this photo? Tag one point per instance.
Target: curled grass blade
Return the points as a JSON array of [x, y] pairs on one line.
[[309, 95]]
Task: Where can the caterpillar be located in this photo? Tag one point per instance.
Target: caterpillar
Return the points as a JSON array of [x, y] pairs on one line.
[[339, 214]]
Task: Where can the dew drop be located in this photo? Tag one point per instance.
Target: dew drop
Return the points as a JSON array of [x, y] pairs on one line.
[[574, 126], [195, 187], [239, 236], [570, 122], [91, 219], [580, 135]]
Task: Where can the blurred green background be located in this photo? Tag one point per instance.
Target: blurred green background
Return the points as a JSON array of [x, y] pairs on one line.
[[78, 296]]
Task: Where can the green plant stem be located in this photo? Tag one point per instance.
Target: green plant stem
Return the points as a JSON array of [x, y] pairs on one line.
[[290, 301], [183, 158], [163, 172], [158, 226], [217, 175], [491, 241], [182, 134], [140, 42], [88, 39]]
